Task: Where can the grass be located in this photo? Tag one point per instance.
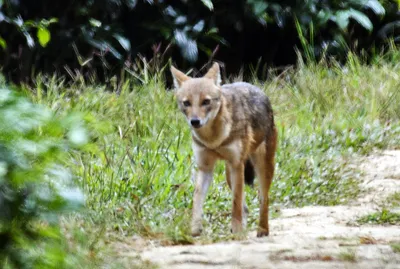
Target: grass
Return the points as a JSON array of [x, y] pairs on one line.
[[382, 217], [136, 177], [395, 247], [394, 199], [387, 215], [348, 255]]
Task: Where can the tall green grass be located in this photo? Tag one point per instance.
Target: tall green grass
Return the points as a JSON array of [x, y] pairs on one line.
[[137, 178]]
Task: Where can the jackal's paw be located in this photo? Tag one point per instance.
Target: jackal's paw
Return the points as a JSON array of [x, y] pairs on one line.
[[237, 226], [262, 232]]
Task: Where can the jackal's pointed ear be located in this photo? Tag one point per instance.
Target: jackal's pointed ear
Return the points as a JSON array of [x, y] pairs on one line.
[[178, 76], [214, 74]]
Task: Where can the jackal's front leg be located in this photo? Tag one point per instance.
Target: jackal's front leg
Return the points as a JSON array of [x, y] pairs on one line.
[[237, 177], [203, 180]]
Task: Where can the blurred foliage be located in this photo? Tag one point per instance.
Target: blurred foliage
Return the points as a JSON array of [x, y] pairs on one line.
[[101, 37], [35, 185]]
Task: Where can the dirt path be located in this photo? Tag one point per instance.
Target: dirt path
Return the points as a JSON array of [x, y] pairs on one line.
[[309, 237]]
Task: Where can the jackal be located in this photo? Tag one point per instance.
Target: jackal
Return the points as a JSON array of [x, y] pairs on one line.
[[235, 123]]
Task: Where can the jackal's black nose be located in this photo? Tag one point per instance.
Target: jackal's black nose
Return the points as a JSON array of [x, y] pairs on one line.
[[195, 123]]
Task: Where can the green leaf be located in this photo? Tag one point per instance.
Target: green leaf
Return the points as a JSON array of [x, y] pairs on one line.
[[187, 45], [199, 26], [388, 29], [362, 19], [53, 20], [44, 36], [94, 22], [3, 43], [30, 23], [376, 7], [46, 23], [258, 7], [342, 19], [208, 4], [124, 42], [29, 39], [18, 21], [213, 30], [323, 16]]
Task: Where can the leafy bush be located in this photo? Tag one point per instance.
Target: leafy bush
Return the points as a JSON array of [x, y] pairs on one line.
[[101, 38], [83, 35], [35, 186], [329, 24]]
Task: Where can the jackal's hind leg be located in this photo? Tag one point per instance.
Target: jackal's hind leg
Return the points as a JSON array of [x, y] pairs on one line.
[[245, 208], [264, 162]]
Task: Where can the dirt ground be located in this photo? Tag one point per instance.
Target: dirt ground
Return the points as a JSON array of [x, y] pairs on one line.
[[308, 237]]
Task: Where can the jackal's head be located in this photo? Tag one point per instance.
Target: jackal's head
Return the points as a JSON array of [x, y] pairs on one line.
[[198, 98]]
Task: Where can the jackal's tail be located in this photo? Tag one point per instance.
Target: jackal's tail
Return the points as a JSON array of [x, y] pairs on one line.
[[249, 173]]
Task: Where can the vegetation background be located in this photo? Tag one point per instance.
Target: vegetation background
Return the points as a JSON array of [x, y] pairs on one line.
[[103, 38], [93, 150]]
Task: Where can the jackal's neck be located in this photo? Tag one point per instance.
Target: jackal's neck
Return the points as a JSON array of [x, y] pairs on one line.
[[213, 134]]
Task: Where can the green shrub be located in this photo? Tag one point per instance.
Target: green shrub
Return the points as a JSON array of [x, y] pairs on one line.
[[35, 185], [103, 38]]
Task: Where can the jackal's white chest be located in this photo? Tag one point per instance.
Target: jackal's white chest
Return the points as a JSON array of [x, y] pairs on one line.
[[213, 140]]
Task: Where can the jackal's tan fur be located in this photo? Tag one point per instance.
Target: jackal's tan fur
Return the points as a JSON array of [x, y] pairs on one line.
[[232, 122]]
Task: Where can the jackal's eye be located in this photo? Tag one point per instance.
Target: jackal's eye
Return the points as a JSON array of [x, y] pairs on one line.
[[206, 102], [186, 103]]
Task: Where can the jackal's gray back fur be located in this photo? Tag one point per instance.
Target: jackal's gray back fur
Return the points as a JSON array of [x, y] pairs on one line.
[[249, 103]]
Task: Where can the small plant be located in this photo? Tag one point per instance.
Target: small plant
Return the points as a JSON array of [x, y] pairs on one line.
[[394, 199], [395, 247], [35, 185], [349, 255], [382, 217]]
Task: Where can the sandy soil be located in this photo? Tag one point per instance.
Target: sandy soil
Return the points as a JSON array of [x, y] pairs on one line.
[[308, 237]]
